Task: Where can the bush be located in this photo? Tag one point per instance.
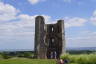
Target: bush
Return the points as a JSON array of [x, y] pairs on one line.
[[65, 56], [1, 56], [5, 56], [27, 54]]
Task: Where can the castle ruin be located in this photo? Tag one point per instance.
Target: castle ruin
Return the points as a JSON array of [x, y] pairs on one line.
[[49, 39]]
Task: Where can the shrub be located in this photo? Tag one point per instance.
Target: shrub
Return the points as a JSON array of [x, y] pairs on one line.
[[5, 56]]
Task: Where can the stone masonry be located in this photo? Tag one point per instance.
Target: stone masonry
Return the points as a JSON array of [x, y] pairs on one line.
[[49, 39]]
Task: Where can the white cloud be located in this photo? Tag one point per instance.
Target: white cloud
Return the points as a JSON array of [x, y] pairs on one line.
[[35, 1], [20, 23], [94, 13], [7, 12], [81, 38], [48, 19], [93, 18], [87, 39], [74, 22], [19, 30]]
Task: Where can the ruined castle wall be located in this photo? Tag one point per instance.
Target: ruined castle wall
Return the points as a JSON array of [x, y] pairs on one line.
[[49, 39], [39, 37], [61, 35]]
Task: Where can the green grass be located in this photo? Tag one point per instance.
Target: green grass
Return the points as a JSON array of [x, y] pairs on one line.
[[80, 58], [73, 59], [27, 61]]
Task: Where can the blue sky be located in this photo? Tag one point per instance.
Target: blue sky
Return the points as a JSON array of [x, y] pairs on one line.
[[17, 21]]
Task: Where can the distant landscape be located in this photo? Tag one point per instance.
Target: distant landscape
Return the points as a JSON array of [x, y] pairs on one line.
[[82, 48], [68, 48]]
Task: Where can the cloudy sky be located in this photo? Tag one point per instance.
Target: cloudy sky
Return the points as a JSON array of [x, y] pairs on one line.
[[17, 21]]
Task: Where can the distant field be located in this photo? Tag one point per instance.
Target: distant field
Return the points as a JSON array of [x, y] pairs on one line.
[[27, 61]]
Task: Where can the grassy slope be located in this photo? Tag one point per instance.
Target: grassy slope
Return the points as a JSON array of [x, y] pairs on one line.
[[27, 61]]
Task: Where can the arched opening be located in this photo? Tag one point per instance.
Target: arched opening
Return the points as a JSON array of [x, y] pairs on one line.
[[52, 29]]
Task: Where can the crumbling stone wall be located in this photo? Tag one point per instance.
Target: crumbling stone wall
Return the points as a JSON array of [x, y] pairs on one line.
[[49, 39]]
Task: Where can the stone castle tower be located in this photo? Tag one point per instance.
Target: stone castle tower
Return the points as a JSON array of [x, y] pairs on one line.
[[49, 39]]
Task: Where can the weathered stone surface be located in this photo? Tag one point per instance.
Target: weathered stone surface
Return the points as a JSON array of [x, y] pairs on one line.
[[49, 39]]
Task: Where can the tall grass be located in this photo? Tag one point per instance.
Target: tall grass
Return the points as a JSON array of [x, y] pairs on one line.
[[81, 58]]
